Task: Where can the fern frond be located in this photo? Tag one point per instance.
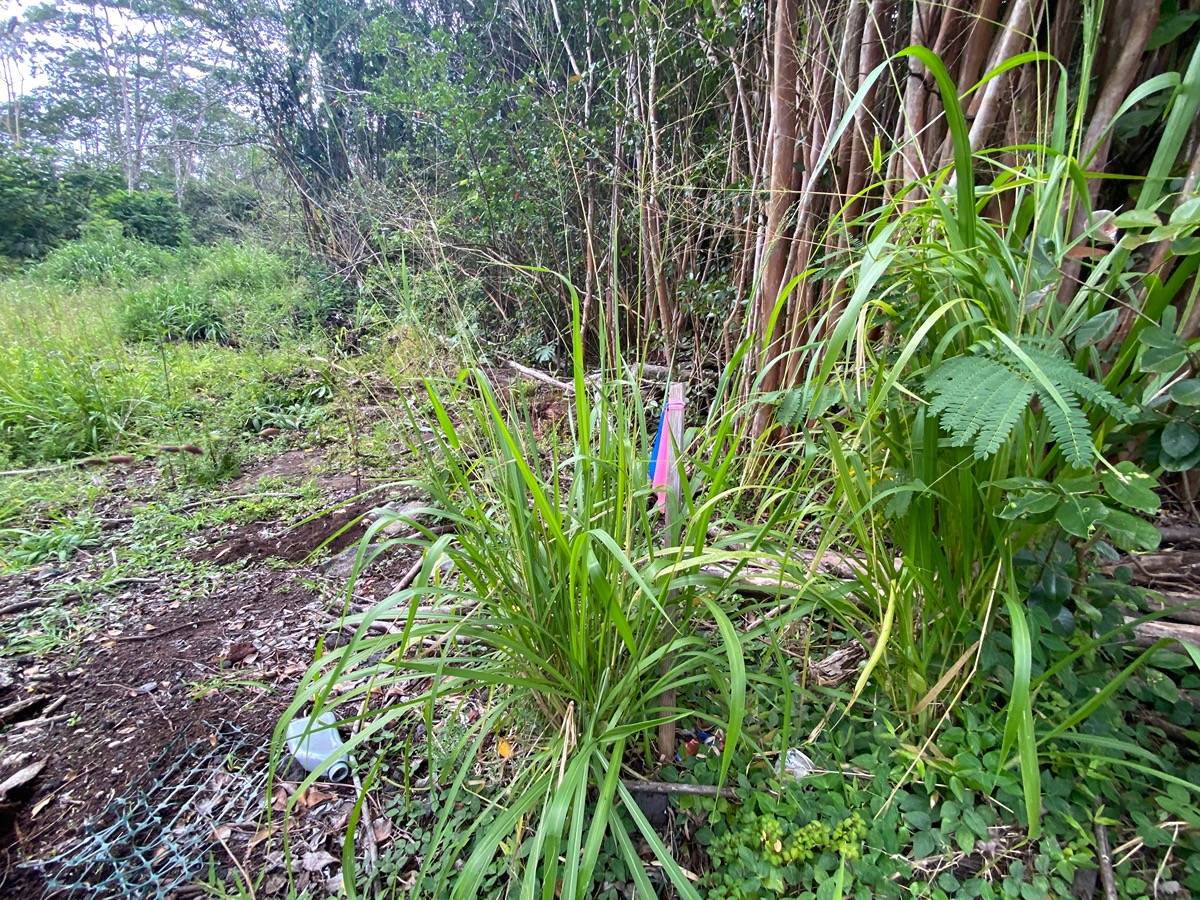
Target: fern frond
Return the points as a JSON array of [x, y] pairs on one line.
[[1063, 374], [1000, 415], [995, 380], [979, 398], [789, 407], [1069, 427]]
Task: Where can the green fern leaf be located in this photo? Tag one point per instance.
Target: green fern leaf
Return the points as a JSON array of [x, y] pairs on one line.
[[978, 399], [789, 407], [1070, 428], [1064, 375], [997, 381], [1000, 415]]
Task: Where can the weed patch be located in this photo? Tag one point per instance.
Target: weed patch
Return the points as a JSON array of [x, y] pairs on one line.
[[172, 311], [103, 257]]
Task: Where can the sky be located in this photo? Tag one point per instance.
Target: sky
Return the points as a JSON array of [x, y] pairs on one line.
[[30, 78]]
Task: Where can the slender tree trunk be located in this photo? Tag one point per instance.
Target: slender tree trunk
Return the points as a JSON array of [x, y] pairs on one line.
[[782, 187]]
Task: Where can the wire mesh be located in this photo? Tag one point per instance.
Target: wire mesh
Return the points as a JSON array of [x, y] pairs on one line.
[[160, 835]]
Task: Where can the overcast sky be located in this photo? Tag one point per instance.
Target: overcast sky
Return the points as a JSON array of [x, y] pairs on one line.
[[30, 77]]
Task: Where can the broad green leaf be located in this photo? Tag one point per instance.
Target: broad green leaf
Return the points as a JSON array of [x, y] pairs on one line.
[[1137, 218], [1187, 212], [1180, 463], [1129, 532], [1030, 504], [1131, 487], [1020, 484], [1171, 27], [1163, 361], [1186, 392], [1097, 328], [1161, 338], [1078, 515], [1179, 439]]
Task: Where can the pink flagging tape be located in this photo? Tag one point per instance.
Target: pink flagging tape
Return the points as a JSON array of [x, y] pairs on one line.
[[664, 470]]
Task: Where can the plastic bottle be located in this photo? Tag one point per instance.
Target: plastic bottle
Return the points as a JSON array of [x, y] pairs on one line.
[[314, 740]]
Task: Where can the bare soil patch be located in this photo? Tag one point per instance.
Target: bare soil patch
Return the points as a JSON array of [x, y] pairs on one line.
[[165, 664], [264, 540]]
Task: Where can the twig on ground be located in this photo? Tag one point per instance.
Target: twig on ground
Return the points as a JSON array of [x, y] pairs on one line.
[[14, 709], [157, 634], [22, 605], [1104, 858], [667, 787], [42, 720], [233, 498]]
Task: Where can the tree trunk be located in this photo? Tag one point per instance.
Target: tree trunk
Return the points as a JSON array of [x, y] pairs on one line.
[[782, 188]]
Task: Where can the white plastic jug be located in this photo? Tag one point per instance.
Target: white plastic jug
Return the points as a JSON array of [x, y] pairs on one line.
[[314, 740]]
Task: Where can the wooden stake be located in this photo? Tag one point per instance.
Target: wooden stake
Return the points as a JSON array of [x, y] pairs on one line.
[[671, 527]]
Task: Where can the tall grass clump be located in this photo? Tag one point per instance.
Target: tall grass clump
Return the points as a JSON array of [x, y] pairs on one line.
[[240, 267], [60, 405], [969, 402], [103, 256], [67, 385], [263, 297], [172, 310], [553, 592]]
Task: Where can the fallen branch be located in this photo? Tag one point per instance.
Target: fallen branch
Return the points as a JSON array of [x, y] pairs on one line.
[[233, 498], [1179, 534], [22, 605], [666, 787], [116, 459], [42, 720], [764, 576], [535, 375], [1179, 607], [13, 710], [21, 778]]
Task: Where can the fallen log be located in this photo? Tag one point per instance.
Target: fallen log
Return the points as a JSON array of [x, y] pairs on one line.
[[1180, 534], [670, 787], [1180, 607], [1147, 633]]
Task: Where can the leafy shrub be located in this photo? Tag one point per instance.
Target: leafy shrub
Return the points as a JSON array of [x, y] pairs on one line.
[[103, 256], [289, 400], [172, 311], [215, 212], [265, 297], [150, 216], [41, 205], [23, 547]]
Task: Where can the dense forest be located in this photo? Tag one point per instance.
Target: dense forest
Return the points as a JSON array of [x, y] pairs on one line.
[[376, 307]]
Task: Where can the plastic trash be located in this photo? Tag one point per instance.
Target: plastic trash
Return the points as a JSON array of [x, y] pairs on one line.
[[314, 740], [796, 764]]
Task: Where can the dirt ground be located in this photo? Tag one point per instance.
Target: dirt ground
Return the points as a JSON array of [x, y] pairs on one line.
[[161, 667]]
